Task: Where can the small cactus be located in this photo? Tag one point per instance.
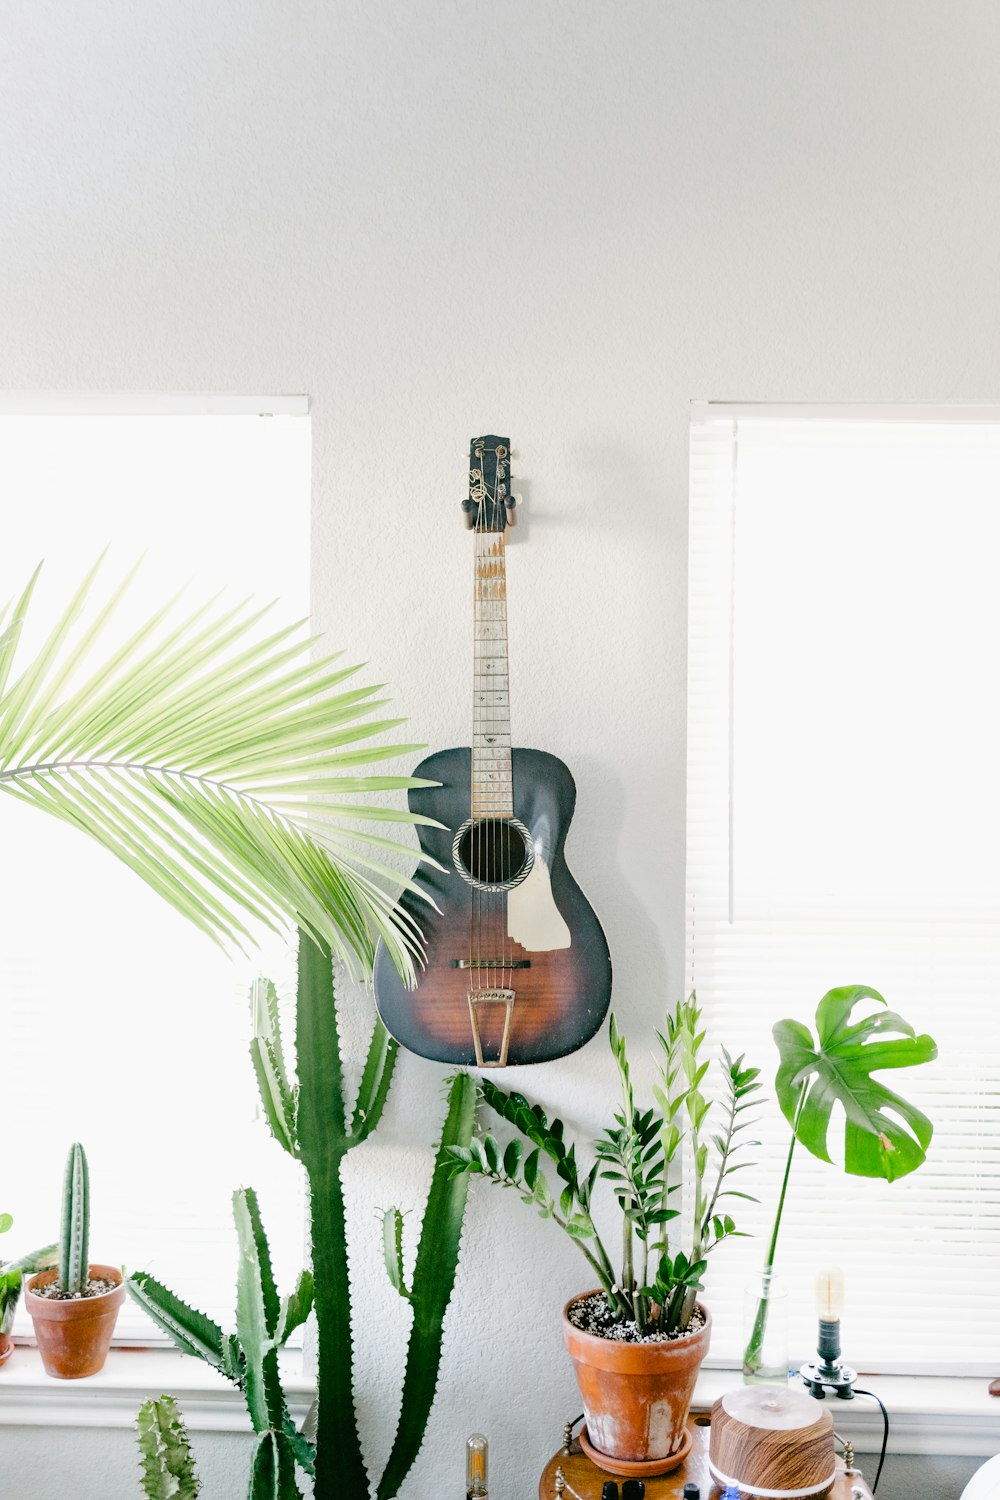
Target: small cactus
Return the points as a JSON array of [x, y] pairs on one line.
[[74, 1236], [248, 1357], [168, 1471]]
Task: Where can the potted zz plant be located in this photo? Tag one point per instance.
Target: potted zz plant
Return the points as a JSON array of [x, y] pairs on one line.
[[638, 1339], [12, 1273], [75, 1306]]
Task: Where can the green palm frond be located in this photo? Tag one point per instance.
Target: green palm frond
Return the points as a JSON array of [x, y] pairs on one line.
[[218, 762]]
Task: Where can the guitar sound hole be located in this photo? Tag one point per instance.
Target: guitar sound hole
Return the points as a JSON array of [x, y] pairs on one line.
[[492, 852]]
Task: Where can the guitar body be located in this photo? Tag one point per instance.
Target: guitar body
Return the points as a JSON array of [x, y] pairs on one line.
[[513, 930]]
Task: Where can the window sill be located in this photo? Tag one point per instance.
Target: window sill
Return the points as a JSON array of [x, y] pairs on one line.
[[209, 1402], [939, 1415]]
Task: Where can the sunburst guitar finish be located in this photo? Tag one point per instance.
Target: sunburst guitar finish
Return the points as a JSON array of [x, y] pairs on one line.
[[517, 968], [560, 992]]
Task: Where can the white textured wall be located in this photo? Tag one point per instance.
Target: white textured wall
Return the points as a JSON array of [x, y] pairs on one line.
[[557, 218]]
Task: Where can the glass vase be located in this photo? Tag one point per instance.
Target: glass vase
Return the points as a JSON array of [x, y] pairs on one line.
[[765, 1332]]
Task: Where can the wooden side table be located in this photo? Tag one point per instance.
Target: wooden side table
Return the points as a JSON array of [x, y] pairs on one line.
[[584, 1480]]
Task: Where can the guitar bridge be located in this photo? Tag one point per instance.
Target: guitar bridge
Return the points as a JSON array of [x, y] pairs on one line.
[[491, 996]]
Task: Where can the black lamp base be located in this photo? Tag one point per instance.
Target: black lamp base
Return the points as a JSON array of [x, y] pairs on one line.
[[822, 1377]]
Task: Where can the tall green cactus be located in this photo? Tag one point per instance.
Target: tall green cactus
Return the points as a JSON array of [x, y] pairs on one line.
[[249, 1357], [74, 1235], [310, 1121], [168, 1471]]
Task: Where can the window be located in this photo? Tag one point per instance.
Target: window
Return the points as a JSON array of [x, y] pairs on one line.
[[123, 1026], [844, 827]]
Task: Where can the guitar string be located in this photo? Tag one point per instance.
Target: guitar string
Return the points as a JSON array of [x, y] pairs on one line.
[[489, 759], [489, 762], [501, 756], [499, 807], [476, 835], [494, 870], [506, 864], [476, 666]]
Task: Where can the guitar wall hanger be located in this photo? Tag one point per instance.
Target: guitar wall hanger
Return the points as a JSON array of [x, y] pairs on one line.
[[489, 486]]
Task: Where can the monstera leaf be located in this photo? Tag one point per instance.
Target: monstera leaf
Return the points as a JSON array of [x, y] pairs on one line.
[[885, 1136]]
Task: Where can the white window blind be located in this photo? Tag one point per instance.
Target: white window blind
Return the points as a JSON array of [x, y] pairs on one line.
[[123, 1026], [844, 827]]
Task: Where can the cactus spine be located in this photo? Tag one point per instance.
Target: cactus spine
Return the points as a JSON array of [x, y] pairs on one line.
[[74, 1236], [168, 1471]]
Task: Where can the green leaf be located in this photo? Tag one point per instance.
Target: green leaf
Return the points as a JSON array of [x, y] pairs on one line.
[[580, 1227], [392, 1249], [532, 1122], [12, 1274], [6, 1220], [884, 1136], [192, 1331], [209, 758], [10, 1295], [433, 1282], [512, 1159]]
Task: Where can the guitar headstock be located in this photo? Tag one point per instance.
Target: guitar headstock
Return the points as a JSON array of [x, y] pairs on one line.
[[490, 504]]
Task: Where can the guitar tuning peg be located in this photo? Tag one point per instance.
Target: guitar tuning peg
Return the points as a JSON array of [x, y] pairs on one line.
[[469, 512], [515, 456], [510, 504]]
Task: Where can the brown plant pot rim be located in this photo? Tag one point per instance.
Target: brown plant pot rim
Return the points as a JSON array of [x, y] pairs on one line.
[[627, 1357], [59, 1309]]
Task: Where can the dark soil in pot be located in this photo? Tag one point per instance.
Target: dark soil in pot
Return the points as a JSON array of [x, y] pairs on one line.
[[95, 1287], [591, 1314]]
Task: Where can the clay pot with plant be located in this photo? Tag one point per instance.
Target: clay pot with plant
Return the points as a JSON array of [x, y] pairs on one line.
[[638, 1339], [12, 1273], [74, 1307]]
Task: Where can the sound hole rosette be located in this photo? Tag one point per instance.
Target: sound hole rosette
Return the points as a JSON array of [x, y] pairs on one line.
[[525, 854]]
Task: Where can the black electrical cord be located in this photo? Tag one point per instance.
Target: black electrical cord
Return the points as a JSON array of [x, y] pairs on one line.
[[885, 1432]]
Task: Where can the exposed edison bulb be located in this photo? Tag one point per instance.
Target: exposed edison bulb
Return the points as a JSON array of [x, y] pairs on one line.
[[830, 1295], [477, 1453]]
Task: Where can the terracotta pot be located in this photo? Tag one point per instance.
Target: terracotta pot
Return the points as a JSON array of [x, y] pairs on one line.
[[636, 1397], [74, 1336], [6, 1347]]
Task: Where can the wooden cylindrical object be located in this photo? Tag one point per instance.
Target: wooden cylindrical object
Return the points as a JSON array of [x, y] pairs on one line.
[[773, 1443]]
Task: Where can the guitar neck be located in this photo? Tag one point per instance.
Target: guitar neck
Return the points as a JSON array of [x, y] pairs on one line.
[[492, 787]]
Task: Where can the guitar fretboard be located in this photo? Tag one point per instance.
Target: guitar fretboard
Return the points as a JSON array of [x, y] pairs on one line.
[[492, 791]]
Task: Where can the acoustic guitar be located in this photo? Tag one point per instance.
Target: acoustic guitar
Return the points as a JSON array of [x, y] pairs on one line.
[[517, 968]]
